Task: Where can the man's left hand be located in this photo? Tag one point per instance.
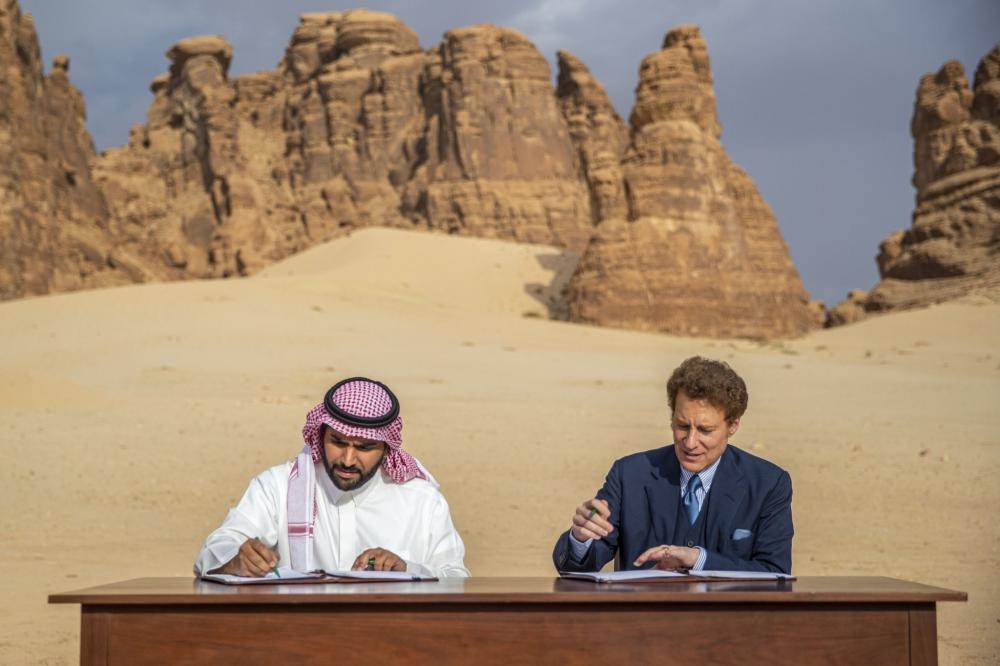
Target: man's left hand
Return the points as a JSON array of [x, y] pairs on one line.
[[670, 558], [378, 559]]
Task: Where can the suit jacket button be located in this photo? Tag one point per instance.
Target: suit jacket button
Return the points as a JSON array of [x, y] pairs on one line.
[[690, 544]]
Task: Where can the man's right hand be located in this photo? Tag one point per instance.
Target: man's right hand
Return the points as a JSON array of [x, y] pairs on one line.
[[591, 520], [253, 559]]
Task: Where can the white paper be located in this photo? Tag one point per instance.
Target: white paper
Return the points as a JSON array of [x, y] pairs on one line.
[[622, 576], [378, 575], [656, 574], [744, 575], [286, 573]]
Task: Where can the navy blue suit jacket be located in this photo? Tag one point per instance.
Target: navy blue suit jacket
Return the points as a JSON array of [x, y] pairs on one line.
[[748, 524]]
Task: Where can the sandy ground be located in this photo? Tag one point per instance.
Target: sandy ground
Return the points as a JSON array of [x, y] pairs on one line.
[[131, 420]]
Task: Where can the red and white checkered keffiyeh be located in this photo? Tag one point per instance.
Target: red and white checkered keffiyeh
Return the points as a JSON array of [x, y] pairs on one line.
[[361, 398]]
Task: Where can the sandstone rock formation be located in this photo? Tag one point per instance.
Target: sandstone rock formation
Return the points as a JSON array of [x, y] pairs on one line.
[[52, 216], [598, 133], [698, 252], [953, 245], [359, 126]]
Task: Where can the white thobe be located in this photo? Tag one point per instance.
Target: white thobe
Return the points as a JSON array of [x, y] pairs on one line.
[[410, 519]]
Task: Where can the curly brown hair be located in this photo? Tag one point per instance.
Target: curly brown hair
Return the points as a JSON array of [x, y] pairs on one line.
[[704, 379]]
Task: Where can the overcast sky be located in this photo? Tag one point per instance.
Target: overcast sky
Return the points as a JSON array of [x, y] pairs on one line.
[[815, 96]]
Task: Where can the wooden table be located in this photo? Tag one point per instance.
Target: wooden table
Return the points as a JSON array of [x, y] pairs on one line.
[[536, 621]]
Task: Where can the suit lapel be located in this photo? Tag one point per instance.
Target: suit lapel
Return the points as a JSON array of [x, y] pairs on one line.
[[728, 489], [663, 492]]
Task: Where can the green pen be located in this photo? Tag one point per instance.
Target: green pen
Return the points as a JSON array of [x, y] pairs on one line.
[[371, 563], [594, 511], [274, 569]]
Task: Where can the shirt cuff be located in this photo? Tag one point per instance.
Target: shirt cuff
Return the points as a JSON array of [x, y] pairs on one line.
[[578, 549], [418, 569], [215, 556], [700, 562]]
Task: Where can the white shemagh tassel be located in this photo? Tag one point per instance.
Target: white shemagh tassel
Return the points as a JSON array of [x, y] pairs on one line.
[[302, 510]]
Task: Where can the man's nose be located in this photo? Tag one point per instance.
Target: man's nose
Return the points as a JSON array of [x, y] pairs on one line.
[[349, 457]]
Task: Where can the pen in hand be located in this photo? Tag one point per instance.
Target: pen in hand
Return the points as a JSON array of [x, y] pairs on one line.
[[370, 565], [274, 569], [595, 521]]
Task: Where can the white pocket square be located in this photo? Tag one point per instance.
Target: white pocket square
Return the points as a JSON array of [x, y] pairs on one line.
[[740, 533]]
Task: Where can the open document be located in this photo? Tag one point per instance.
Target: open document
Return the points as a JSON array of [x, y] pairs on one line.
[[286, 575], [658, 576], [282, 576], [376, 576]]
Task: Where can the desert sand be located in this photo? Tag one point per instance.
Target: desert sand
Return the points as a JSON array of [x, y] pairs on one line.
[[131, 419]]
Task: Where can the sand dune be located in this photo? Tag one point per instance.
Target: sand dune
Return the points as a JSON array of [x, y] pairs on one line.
[[133, 418]]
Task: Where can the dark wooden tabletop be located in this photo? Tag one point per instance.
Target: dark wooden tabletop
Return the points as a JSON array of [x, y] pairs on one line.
[[820, 589]]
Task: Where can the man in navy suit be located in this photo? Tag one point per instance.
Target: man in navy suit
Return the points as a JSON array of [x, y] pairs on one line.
[[700, 503]]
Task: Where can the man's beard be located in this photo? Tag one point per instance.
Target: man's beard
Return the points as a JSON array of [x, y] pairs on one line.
[[348, 484]]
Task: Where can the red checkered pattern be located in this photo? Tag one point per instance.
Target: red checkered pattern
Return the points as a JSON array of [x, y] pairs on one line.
[[366, 399]]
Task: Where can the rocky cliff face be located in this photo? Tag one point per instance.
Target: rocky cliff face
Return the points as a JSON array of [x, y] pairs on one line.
[[599, 136], [359, 126], [53, 234], [697, 251], [953, 245]]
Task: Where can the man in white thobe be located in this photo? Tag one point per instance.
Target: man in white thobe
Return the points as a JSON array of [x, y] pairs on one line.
[[352, 499]]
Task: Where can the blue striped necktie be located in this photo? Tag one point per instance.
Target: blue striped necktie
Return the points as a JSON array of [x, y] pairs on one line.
[[690, 501]]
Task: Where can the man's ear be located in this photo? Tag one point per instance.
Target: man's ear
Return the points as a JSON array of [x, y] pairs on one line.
[[733, 426]]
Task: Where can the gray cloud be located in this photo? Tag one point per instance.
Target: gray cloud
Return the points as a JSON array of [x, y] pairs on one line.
[[815, 97]]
